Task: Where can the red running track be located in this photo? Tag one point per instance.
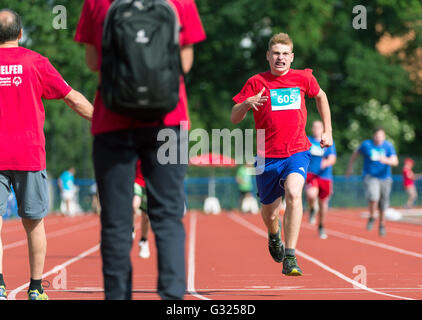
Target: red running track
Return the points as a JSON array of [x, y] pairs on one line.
[[227, 258]]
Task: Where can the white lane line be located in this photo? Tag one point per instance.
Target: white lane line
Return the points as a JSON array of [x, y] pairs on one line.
[[261, 232], [191, 261], [12, 295], [366, 241], [54, 234], [362, 225]]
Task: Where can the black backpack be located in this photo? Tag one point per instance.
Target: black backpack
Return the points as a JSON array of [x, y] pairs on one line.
[[141, 63]]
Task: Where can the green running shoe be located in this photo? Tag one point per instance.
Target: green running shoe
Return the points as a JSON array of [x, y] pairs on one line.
[[3, 294], [290, 267], [36, 295], [275, 245]]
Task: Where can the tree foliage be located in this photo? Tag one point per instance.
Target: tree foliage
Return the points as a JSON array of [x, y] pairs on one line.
[[361, 84]]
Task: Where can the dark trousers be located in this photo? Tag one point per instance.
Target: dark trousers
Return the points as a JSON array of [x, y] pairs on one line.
[[115, 156]]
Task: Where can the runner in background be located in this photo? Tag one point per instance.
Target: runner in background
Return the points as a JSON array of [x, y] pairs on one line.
[[409, 178], [379, 156], [140, 206], [319, 181]]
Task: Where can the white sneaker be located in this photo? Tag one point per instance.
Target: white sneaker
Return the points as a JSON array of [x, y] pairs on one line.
[[144, 249]]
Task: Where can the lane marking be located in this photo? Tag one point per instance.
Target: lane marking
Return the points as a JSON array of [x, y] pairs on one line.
[[362, 225], [262, 233], [12, 295], [191, 261], [366, 241]]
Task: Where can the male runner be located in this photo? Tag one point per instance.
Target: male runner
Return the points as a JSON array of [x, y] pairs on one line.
[[319, 182], [277, 98]]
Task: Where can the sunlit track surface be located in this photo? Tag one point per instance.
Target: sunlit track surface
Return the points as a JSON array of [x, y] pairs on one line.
[[227, 259]]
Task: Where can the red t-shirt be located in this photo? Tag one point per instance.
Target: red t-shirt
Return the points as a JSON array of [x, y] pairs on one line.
[[283, 116], [25, 78], [139, 177], [89, 31], [407, 181]]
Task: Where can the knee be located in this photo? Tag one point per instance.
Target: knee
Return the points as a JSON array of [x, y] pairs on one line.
[[293, 195]]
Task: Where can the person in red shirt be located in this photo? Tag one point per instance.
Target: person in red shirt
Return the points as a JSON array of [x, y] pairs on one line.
[[409, 178], [140, 203], [118, 143], [277, 99], [27, 77]]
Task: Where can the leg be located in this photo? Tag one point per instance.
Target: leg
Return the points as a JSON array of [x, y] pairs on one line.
[[114, 163], [384, 203], [412, 196], [37, 245], [293, 216], [270, 214], [312, 198], [1, 247], [165, 193], [145, 226]]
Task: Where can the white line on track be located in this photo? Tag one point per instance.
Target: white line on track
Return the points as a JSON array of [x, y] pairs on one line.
[[12, 295], [261, 232], [191, 261], [366, 241], [362, 225]]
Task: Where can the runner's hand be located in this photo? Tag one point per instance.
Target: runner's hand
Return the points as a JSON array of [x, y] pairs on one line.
[[257, 100], [326, 140]]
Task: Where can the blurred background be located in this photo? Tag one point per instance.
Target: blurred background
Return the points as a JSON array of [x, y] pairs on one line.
[[372, 77]]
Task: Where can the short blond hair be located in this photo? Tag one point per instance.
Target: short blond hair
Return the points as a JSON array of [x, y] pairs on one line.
[[282, 38]]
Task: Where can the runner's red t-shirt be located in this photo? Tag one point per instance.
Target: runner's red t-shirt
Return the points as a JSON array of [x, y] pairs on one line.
[[407, 181], [89, 31], [25, 78], [139, 177], [284, 114]]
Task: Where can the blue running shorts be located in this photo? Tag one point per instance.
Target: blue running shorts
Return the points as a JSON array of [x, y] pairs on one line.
[[270, 183]]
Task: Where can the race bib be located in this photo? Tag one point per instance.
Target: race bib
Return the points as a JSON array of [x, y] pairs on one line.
[[285, 99], [316, 150], [375, 154]]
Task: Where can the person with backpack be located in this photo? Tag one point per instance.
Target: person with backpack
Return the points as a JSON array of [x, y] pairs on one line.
[[138, 96]]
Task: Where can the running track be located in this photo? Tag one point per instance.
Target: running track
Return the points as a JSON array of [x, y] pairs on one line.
[[227, 258]]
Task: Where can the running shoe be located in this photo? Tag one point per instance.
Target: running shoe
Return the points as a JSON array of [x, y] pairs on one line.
[[144, 249], [370, 224], [322, 233], [290, 267], [312, 216], [3, 294], [275, 245], [381, 231], [36, 295]]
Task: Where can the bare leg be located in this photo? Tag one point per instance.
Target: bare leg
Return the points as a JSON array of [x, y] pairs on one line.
[[270, 214], [145, 226], [294, 210], [1, 246], [37, 245]]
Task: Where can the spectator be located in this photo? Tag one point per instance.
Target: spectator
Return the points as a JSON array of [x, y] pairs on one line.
[[26, 78], [66, 183], [118, 143]]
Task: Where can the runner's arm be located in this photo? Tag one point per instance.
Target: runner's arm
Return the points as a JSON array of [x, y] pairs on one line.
[[352, 160], [239, 110], [329, 161], [324, 111], [78, 103], [186, 56], [392, 160], [91, 57]]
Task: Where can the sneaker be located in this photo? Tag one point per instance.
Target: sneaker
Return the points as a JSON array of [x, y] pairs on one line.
[[144, 249], [3, 294], [290, 267], [36, 295], [321, 232], [275, 245], [312, 216], [381, 231], [370, 224]]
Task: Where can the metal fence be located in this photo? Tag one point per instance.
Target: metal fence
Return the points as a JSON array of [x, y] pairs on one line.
[[347, 193]]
